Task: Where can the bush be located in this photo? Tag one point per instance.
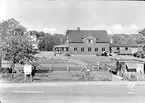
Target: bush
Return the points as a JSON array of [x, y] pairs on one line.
[[139, 54], [80, 76], [67, 54], [133, 77], [104, 54], [135, 54], [5, 70], [142, 56], [98, 55]]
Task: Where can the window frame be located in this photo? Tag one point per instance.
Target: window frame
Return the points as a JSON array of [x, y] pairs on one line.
[[126, 48], [82, 49], [75, 49], [103, 49], [89, 49], [110, 48], [90, 41], [67, 49], [96, 49], [118, 48]]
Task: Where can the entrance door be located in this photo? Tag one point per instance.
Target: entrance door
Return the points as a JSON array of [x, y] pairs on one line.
[[144, 68]]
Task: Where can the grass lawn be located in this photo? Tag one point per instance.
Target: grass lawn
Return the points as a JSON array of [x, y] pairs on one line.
[[55, 64], [46, 54], [94, 59], [59, 67]]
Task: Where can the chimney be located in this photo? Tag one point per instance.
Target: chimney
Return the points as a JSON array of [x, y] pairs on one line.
[[78, 28]]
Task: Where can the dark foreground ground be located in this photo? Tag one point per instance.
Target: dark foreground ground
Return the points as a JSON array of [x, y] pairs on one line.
[[79, 92]]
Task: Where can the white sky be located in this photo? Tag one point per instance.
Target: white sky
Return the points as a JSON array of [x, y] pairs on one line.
[[60, 15]]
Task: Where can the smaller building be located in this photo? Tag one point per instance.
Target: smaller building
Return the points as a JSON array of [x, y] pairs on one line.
[[125, 49], [128, 65], [135, 67], [61, 49]]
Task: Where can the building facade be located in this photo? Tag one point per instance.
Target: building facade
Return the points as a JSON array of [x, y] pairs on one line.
[[84, 42], [124, 49]]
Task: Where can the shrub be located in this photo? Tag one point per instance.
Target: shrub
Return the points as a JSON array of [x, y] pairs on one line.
[[133, 77], [135, 54], [98, 54], [67, 54], [139, 54], [104, 54], [80, 76]]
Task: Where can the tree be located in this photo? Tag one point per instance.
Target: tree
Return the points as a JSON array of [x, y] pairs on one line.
[[59, 39], [142, 31], [15, 43], [138, 38], [47, 41], [121, 38], [141, 35], [124, 38]]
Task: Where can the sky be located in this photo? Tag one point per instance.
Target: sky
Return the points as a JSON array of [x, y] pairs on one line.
[[57, 16]]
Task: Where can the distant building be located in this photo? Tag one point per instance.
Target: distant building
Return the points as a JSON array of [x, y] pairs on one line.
[[82, 42], [124, 49]]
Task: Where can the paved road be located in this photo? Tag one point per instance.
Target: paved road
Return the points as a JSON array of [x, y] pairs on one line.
[[73, 93]]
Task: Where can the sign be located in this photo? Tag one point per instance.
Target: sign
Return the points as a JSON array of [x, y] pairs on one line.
[[27, 69]]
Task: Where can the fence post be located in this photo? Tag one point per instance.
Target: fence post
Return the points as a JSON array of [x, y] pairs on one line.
[[108, 72], [50, 67], [82, 69], [31, 77], [68, 68], [98, 65]]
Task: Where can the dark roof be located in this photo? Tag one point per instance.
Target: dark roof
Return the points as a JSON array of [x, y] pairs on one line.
[[77, 35], [131, 44]]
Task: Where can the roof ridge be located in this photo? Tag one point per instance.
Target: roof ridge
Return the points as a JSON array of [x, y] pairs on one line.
[[85, 30]]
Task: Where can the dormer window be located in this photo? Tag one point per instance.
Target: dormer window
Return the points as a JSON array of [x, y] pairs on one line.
[[90, 41]]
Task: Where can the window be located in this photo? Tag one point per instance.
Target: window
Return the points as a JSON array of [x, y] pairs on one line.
[[126, 48], [90, 41], [89, 49], [96, 49], [82, 49], [103, 49], [118, 48], [110, 49], [75, 49], [67, 49]]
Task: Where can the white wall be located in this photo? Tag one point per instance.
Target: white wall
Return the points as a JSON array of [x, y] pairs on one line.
[[140, 67], [134, 50]]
